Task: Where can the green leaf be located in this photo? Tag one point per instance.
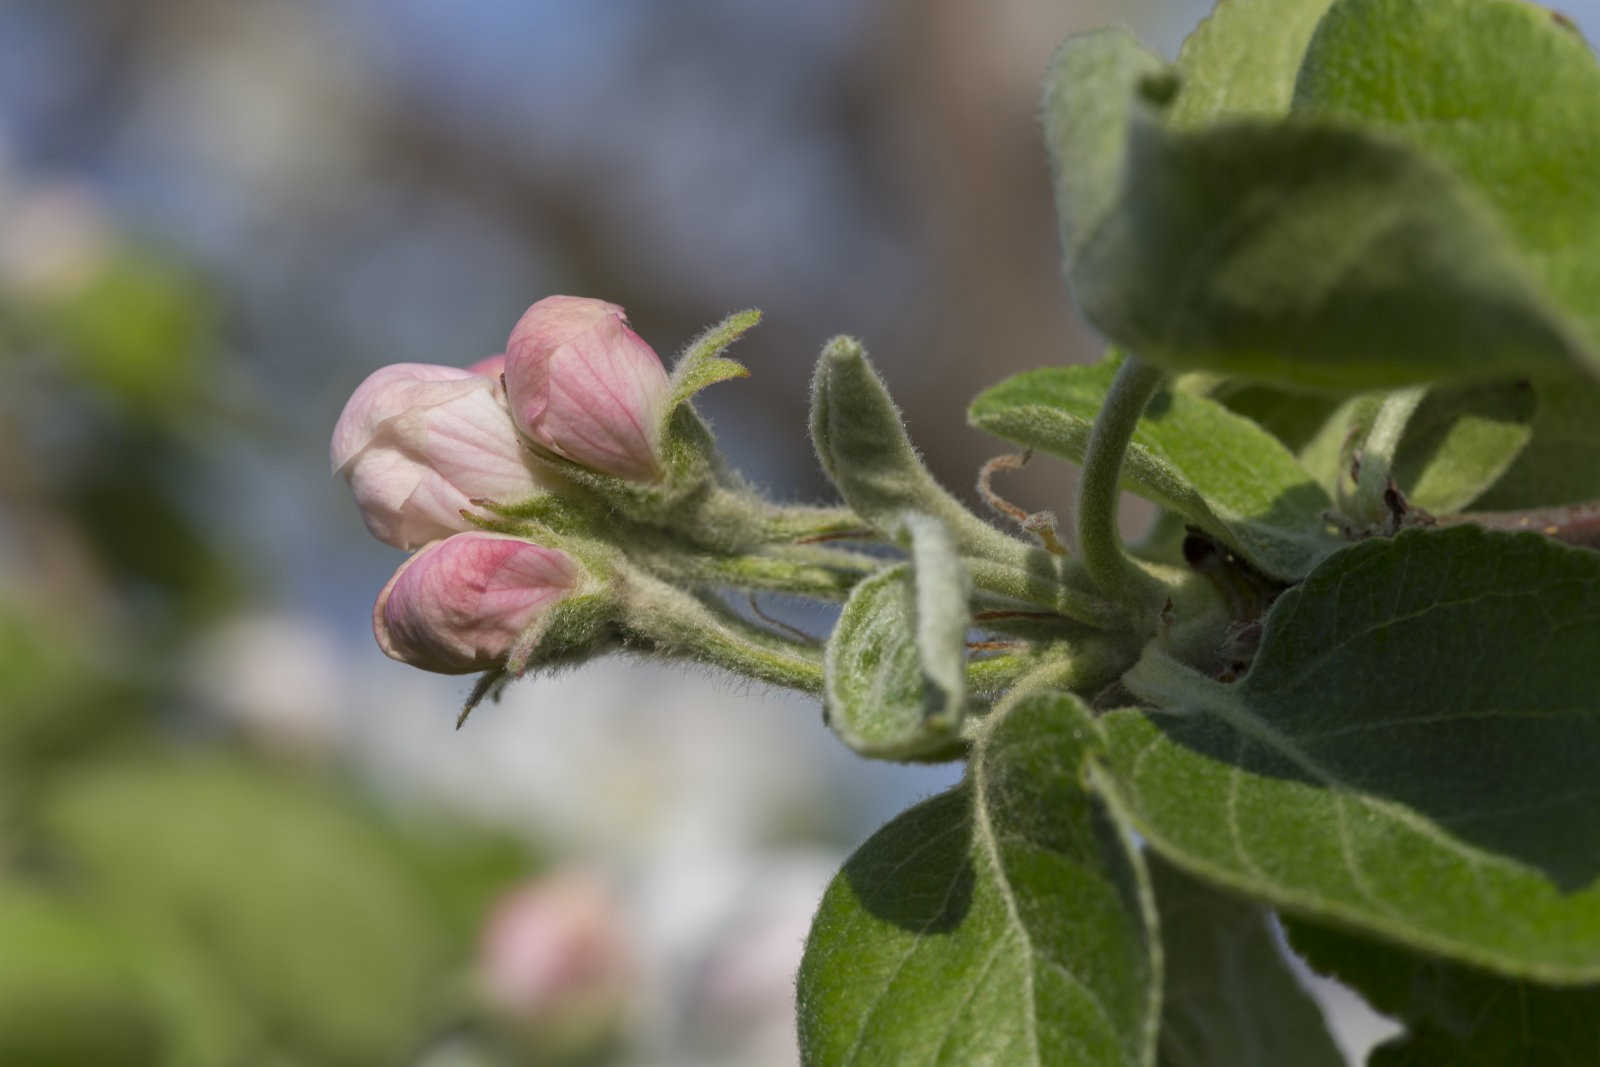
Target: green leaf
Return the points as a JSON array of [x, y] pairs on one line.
[[1230, 999], [1293, 418], [1501, 91], [943, 590], [1242, 60], [1411, 754], [1455, 1015], [1457, 443], [1089, 94], [1188, 453], [862, 445], [703, 364], [1561, 465], [1003, 922], [894, 686], [1313, 255]]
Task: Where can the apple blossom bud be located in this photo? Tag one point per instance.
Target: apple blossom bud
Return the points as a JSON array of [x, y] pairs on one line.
[[490, 366], [555, 951], [459, 604], [419, 442], [583, 385]]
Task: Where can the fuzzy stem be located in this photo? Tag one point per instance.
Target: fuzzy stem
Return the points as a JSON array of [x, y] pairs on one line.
[[1378, 450], [1099, 543], [676, 623], [753, 520]]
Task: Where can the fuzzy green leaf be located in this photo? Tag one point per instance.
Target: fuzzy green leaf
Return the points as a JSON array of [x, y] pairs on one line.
[[943, 590], [1003, 922], [1501, 91], [1243, 59], [1455, 1015], [894, 668], [1412, 752], [1188, 453], [1457, 443], [1229, 997], [863, 446], [1313, 255]]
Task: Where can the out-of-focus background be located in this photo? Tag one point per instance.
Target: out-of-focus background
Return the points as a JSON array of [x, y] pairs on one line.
[[231, 831]]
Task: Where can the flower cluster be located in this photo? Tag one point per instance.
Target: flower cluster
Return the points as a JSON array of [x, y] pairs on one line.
[[423, 445]]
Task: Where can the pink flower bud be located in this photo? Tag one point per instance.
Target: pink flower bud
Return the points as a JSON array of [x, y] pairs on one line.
[[419, 442], [459, 604], [584, 386], [555, 948]]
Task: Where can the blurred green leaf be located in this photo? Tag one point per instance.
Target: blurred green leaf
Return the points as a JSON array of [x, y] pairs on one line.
[[69, 992], [998, 923], [1229, 997], [1504, 93], [1188, 453], [1314, 255], [272, 887], [1455, 1015], [1089, 95], [1411, 754], [1561, 464], [1243, 58]]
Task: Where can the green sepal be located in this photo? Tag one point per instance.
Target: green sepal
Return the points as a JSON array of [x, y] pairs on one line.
[[703, 364]]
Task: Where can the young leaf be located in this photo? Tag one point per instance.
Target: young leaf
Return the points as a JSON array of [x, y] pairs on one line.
[[1003, 922], [1313, 255], [862, 445], [1412, 752], [1501, 91], [1229, 997], [1453, 1014], [1242, 60], [894, 679], [1188, 453], [1457, 443]]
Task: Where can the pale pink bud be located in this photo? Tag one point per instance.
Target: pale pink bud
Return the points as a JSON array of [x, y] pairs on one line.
[[419, 442], [459, 604], [555, 947], [584, 386]]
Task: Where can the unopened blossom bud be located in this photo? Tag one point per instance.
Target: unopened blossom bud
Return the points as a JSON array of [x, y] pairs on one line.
[[459, 604], [556, 950], [583, 385], [419, 442]]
